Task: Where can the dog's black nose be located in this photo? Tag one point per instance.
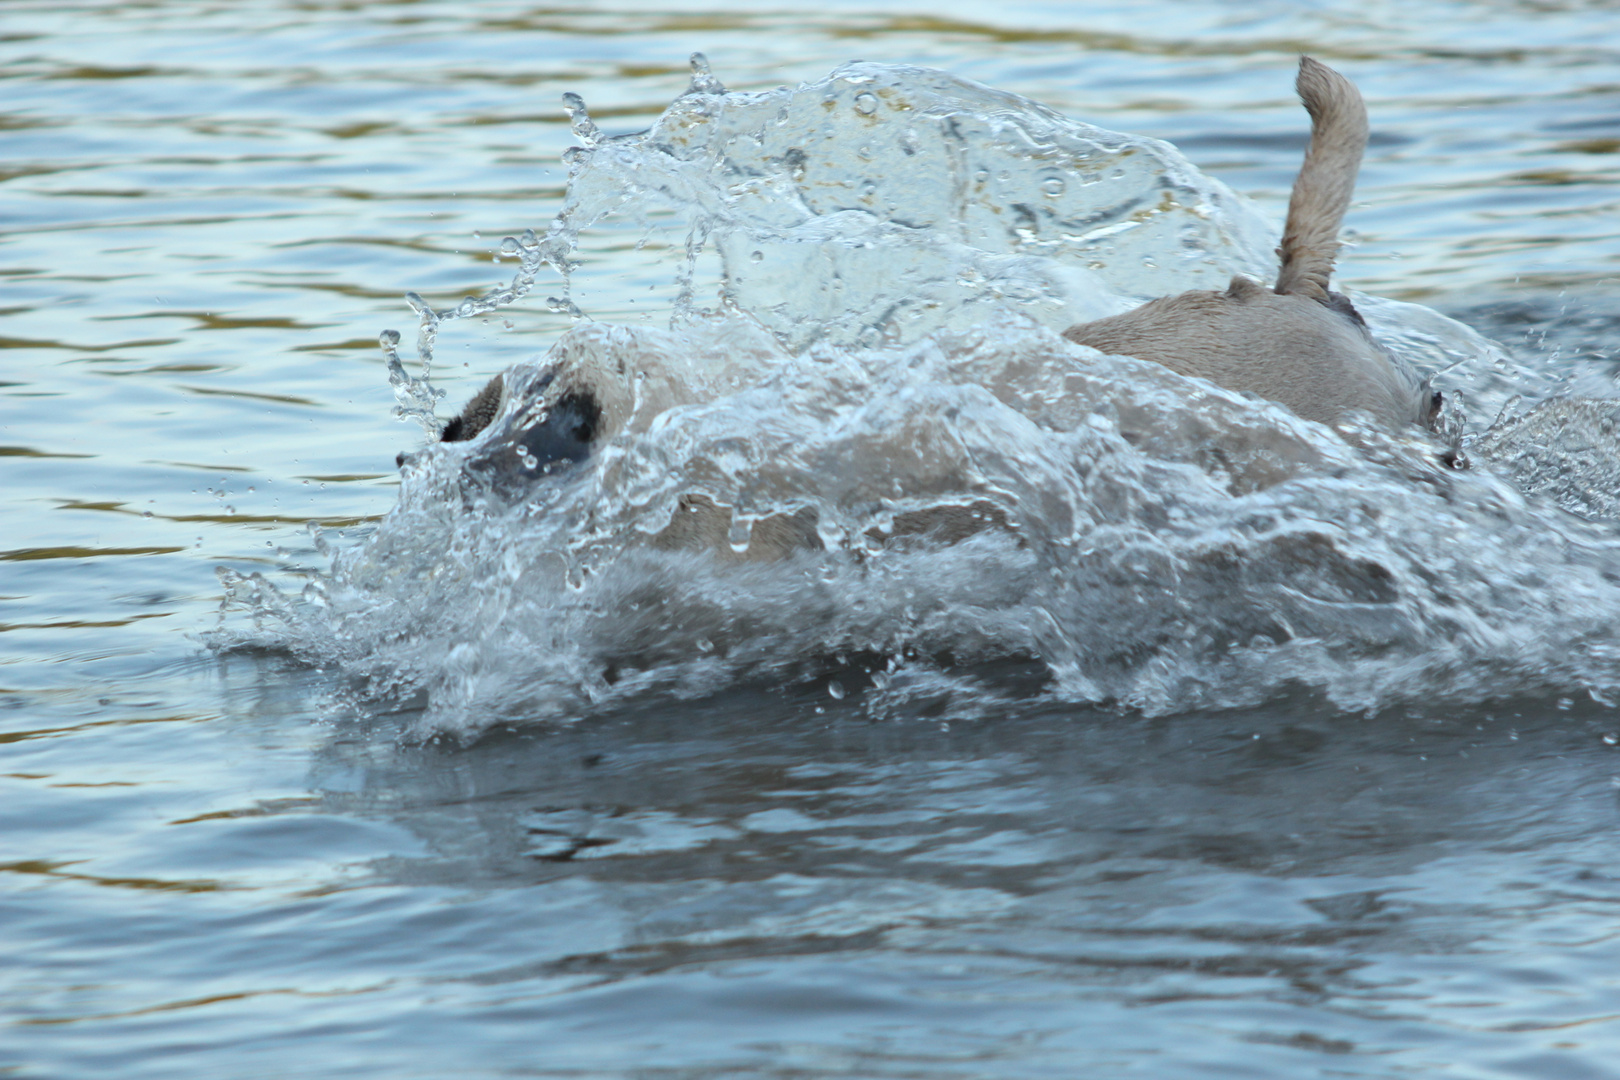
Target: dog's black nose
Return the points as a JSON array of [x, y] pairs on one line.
[[565, 433], [537, 443]]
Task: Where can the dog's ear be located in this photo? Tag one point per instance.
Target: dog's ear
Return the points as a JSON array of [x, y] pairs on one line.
[[1244, 288]]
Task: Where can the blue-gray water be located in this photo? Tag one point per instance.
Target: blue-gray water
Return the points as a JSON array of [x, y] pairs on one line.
[[226, 864]]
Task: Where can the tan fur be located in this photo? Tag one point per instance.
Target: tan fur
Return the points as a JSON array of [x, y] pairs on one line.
[[699, 523], [1298, 344], [947, 524]]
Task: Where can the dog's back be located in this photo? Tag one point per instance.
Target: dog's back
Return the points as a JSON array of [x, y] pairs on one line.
[[1299, 343]]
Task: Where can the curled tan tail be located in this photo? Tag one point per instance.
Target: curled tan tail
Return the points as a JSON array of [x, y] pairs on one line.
[[1325, 182]]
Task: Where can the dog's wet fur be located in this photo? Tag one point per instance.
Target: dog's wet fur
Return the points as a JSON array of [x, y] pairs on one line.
[[1297, 342]]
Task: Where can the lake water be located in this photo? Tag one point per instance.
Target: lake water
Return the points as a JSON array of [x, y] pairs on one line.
[[1311, 774]]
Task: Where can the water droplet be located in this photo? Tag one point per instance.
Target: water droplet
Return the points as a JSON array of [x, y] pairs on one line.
[[579, 120], [756, 256], [510, 245], [1608, 740], [703, 80], [704, 645], [836, 689], [866, 104], [1052, 185]]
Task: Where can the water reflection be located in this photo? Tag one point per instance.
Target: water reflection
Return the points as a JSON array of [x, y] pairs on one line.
[[1337, 869]]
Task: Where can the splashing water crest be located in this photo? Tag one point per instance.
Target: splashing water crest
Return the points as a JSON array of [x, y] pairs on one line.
[[897, 248]]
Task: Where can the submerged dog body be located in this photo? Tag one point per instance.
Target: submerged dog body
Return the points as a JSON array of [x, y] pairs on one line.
[[1298, 343]]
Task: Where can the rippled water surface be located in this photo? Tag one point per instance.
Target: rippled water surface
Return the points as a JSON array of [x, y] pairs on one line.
[[1249, 748]]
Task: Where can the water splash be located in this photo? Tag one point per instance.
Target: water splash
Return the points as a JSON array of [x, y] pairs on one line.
[[882, 203], [703, 80], [1566, 449], [896, 249]]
